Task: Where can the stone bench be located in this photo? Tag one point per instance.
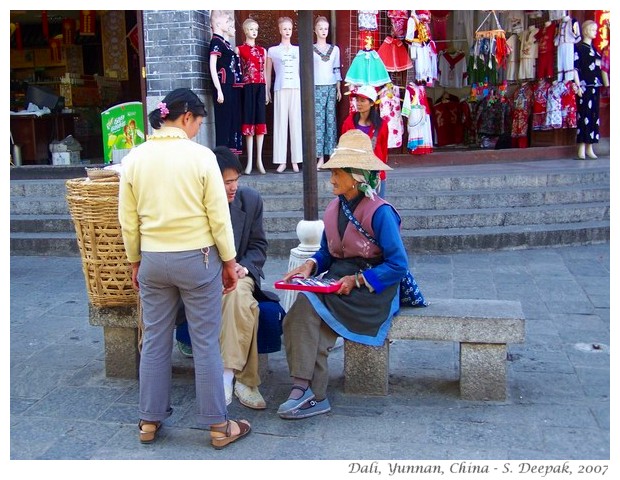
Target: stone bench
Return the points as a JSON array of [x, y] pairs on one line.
[[121, 340], [120, 337], [483, 328]]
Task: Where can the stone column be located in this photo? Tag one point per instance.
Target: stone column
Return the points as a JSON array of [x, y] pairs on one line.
[[176, 50]]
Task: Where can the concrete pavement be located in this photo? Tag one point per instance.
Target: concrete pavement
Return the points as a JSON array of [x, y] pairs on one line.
[[63, 407]]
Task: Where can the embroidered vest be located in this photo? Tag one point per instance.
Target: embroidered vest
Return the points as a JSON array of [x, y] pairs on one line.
[[353, 243]]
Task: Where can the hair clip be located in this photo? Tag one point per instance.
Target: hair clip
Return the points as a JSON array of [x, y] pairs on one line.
[[163, 109]]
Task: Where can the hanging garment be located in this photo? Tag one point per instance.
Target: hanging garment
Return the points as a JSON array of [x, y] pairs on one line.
[[394, 55], [553, 118], [481, 65], [424, 62], [512, 64], [539, 108], [398, 19], [418, 28], [528, 54], [390, 109], [367, 68], [493, 116], [419, 128], [569, 105], [463, 26], [452, 69], [439, 25], [568, 34], [522, 100], [448, 122], [367, 19], [546, 51]]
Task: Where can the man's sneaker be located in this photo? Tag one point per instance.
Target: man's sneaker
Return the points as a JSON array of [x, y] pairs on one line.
[[185, 349], [249, 396]]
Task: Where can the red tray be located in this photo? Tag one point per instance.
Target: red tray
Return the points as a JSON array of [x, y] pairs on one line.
[[310, 284]]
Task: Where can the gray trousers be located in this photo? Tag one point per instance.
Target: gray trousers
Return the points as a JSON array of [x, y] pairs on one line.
[[308, 339], [165, 277]]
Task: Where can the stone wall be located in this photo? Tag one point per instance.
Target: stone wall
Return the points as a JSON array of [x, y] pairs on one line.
[[176, 49]]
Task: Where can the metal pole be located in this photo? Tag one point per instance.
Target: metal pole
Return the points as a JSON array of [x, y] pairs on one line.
[[308, 125]]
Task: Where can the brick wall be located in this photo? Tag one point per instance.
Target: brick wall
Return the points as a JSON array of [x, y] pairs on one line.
[[176, 49]]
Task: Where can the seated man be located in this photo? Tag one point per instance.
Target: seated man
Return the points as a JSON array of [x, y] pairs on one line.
[[240, 312]]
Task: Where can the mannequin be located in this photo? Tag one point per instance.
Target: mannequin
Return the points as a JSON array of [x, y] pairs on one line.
[[225, 70], [327, 92], [254, 118], [284, 60], [589, 77]]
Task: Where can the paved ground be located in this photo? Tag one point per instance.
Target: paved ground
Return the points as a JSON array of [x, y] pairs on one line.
[[63, 407]]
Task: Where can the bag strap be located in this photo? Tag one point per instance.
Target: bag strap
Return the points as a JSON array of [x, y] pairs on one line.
[[347, 211]]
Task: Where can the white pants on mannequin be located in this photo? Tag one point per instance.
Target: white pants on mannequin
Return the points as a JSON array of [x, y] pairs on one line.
[[287, 118]]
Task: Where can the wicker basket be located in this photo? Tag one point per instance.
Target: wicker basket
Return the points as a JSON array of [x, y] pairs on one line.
[[94, 208]]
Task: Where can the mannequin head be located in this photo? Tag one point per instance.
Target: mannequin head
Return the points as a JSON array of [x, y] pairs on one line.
[[219, 21], [285, 26], [250, 28], [230, 27], [588, 30], [321, 28]]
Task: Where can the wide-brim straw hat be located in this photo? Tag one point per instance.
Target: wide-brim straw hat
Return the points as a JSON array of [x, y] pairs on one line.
[[354, 150]]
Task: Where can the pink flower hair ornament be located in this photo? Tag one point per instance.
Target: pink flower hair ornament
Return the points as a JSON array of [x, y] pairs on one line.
[[163, 109]]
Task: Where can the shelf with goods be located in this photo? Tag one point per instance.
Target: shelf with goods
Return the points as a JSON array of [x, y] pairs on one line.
[[64, 77]]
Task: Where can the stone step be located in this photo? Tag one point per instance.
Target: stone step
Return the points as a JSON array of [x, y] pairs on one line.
[[33, 200], [276, 222], [411, 180], [478, 239], [42, 223], [516, 197], [516, 205], [428, 241]]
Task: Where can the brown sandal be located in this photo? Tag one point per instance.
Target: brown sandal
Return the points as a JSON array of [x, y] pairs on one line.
[[148, 431], [220, 441]]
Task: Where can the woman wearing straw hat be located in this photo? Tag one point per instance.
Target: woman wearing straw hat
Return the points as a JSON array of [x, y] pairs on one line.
[[361, 248]]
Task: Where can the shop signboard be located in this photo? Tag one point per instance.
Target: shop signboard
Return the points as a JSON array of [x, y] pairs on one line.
[[122, 128]]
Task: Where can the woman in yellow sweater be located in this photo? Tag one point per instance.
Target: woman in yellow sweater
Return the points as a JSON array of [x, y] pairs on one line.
[[178, 236]]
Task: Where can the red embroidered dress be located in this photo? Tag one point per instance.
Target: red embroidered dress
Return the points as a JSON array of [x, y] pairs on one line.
[[254, 119]]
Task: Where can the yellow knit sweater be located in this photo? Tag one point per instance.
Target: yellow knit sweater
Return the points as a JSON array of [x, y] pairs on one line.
[[172, 198]]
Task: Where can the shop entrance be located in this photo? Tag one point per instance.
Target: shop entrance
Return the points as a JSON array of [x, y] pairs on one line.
[[83, 62]]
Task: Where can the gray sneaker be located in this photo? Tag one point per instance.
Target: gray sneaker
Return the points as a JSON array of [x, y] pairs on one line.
[[308, 409], [185, 349]]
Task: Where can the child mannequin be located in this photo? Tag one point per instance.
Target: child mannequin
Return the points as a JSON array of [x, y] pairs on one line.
[[327, 92], [284, 60], [589, 77], [254, 120], [225, 69]]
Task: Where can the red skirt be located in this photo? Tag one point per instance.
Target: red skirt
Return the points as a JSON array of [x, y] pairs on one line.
[[395, 55]]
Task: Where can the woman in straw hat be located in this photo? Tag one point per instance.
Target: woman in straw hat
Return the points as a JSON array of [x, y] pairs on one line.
[[368, 266]]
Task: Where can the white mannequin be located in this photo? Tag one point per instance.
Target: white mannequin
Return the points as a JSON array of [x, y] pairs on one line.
[[588, 33], [284, 60], [326, 76], [219, 25], [225, 70], [250, 28]]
